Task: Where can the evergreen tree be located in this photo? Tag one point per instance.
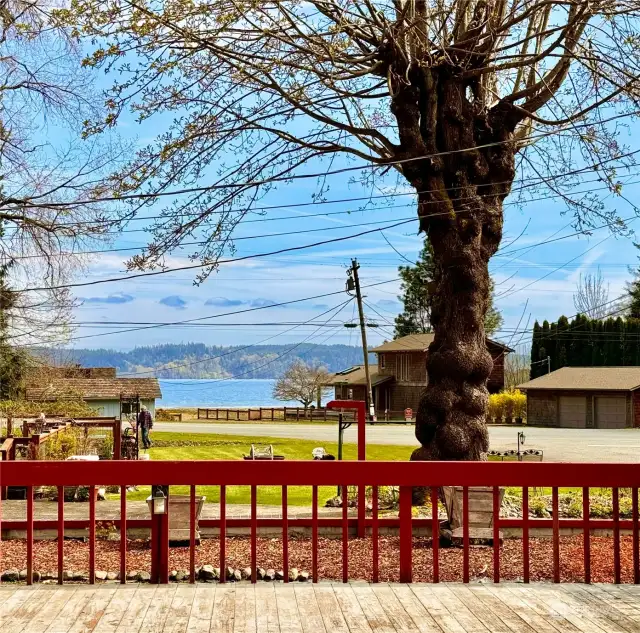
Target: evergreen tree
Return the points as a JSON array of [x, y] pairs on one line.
[[562, 343], [633, 293], [618, 350], [12, 360], [418, 284], [534, 372]]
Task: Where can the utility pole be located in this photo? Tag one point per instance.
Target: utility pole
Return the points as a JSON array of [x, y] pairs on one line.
[[353, 271]]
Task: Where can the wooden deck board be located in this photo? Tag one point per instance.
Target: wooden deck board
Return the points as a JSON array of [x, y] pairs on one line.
[[322, 608]]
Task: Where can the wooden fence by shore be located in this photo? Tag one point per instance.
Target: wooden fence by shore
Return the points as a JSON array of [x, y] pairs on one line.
[[289, 414]]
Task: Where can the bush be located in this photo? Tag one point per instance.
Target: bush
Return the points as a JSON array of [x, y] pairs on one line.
[[538, 507], [65, 443], [508, 404], [59, 408]]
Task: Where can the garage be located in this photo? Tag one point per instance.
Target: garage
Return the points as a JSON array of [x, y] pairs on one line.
[[611, 412], [573, 412]]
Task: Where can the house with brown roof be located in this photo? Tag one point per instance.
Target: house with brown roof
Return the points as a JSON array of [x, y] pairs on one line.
[[99, 387], [400, 376], [585, 398]]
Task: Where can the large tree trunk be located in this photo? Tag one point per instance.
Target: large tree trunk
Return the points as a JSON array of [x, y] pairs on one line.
[[450, 422], [467, 172]]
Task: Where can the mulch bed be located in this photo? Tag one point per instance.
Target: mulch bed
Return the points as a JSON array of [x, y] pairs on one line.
[[13, 555]]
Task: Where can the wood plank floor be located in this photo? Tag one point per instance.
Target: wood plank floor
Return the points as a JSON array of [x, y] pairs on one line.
[[326, 607]]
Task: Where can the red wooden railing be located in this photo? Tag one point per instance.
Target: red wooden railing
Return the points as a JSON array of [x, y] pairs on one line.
[[314, 474]]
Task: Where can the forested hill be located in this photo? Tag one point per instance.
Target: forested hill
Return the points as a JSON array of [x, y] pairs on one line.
[[196, 360]]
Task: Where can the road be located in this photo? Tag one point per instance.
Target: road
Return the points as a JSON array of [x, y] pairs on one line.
[[559, 445]]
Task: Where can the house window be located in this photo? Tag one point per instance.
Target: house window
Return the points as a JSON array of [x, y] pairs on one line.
[[402, 366], [381, 360]]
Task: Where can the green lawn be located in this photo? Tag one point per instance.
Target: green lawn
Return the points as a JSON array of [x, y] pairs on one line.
[[200, 446]]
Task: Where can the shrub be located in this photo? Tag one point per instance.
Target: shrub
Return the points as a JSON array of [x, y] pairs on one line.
[[64, 444], [508, 404], [574, 509], [73, 408], [538, 507], [496, 406]]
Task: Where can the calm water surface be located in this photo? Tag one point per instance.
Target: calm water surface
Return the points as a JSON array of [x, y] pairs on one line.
[[219, 393]]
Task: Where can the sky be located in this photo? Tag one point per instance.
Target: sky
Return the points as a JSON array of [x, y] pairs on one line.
[[534, 280]]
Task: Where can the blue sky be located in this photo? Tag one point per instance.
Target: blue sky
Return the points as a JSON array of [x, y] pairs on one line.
[[533, 281]]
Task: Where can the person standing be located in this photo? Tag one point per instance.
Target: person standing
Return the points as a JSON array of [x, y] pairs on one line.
[[145, 423]]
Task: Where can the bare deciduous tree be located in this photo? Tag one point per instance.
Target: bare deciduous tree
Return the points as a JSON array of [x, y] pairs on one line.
[[46, 170], [456, 96], [301, 382], [592, 296]]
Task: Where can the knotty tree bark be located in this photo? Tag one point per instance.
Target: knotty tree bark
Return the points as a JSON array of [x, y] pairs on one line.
[[459, 97]]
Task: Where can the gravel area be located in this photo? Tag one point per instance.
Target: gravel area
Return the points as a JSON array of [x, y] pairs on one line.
[[13, 555]]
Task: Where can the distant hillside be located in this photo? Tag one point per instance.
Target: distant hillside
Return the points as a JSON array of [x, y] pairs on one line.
[[196, 360]]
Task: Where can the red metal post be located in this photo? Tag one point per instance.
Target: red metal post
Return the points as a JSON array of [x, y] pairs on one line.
[[374, 533], [435, 534], [117, 440], [616, 535], [29, 535], [314, 533], [192, 534], [60, 533], [406, 534], [345, 534], [465, 534], [586, 531], [92, 535], [223, 533], [361, 421], [636, 545], [254, 534], [525, 534], [556, 534], [123, 535], [496, 534], [285, 534]]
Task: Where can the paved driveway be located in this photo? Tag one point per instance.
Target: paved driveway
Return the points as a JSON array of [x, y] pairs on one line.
[[581, 445]]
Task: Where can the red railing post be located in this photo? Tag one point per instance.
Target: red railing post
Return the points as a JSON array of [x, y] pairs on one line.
[[192, 534], [345, 534], [636, 545], [160, 540], [586, 532], [556, 534], [525, 534], [223, 533], [435, 534], [465, 534], [285, 534], [616, 535], [60, 534], [374, 532], [406, 534], [254, 534], [496, 534], [92, 534], [29, 535], [314, 533], [123, 535]]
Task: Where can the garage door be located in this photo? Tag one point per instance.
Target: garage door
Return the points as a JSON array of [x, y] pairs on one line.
[[611, 413], [573, 412]]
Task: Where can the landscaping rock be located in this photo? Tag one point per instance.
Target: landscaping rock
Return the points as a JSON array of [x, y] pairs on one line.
[[11, 575], [246, 573], [279, 575], [23, 574], [229, 573], [180, 576], [173, 575], [303, 576], [237, 575], [216, 571], [79, 576], [113, 575], [260, 573], [48, 575], [67, 574], [185, 573], [270, 575], [132, 576], [101, 575], [207, 573], [143, 576], [293, 575]]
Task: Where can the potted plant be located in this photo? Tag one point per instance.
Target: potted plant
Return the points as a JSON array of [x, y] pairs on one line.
[[519, 406]]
